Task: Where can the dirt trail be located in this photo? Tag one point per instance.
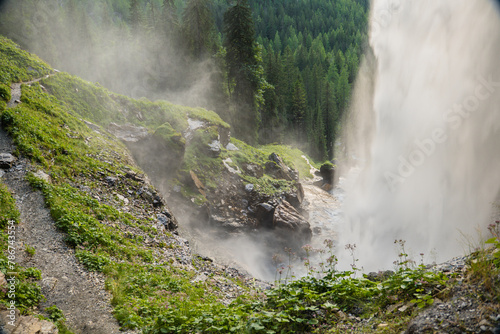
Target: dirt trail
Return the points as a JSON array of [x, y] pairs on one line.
[[65, 283], [15, 90]]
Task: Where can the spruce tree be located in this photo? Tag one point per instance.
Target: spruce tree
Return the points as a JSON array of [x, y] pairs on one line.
[[244, 69], [199, 28], [135, 15]]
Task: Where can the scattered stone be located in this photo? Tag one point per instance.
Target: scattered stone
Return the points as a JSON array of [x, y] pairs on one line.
[[123, 199], [232, 147], [2, 173], [214, 149], [264, 212], [111, 180], [134, 176], [288, 219], [327, 172], [249, 187], [231, 170], [484, 322], [6, 160], [49, 283], [253, 170], [39, 174], [199, 278]]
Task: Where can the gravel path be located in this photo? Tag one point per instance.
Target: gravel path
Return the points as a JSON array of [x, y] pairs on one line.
[[65, 283], [15, 91]]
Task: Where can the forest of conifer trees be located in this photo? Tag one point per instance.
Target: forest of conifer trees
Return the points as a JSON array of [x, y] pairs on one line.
[[278, 71]]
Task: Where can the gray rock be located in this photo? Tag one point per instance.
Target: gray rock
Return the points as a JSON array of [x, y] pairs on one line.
[[42, 175], [167, 221], [111, 180], [214, 148], [249, 187], [128, 132], [12, 322], [6, 160], [232, 147]]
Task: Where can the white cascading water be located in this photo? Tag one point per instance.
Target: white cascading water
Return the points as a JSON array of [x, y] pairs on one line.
[[425, 130]]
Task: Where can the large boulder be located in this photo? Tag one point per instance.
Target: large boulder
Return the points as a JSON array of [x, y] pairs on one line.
[[296, 198], [289, 221], [264, 212], [327, 172]]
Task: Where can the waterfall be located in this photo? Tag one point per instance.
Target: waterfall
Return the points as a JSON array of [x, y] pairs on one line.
[[424, 129]]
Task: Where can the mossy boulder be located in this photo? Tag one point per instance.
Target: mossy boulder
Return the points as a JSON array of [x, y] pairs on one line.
[[327, 171], [170, 137]]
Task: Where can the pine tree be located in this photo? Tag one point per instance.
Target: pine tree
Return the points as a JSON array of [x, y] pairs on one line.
[[244, 69], [199, 28], [299, 107], [135, 17]]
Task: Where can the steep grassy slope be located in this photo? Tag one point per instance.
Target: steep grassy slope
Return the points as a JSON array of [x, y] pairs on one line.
[[112, 217]]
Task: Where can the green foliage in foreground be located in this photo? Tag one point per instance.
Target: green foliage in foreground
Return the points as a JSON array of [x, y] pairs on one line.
[[310, 304], [149, 291]]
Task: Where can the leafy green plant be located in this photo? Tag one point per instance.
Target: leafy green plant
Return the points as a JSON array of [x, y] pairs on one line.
[[5, 92], [56, 315], [93, 262], [30, 250]]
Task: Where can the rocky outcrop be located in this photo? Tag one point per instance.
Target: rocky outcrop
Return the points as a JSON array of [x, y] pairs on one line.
[[11, 322], [289, 222], [328, 172], [128, 132]]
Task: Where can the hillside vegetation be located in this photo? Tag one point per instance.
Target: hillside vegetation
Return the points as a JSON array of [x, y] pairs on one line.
[[157, 285], [288, 80]]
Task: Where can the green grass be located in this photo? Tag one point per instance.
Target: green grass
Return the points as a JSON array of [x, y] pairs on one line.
[[292, 157], [17, 65], [151, 292], [27, 294]]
